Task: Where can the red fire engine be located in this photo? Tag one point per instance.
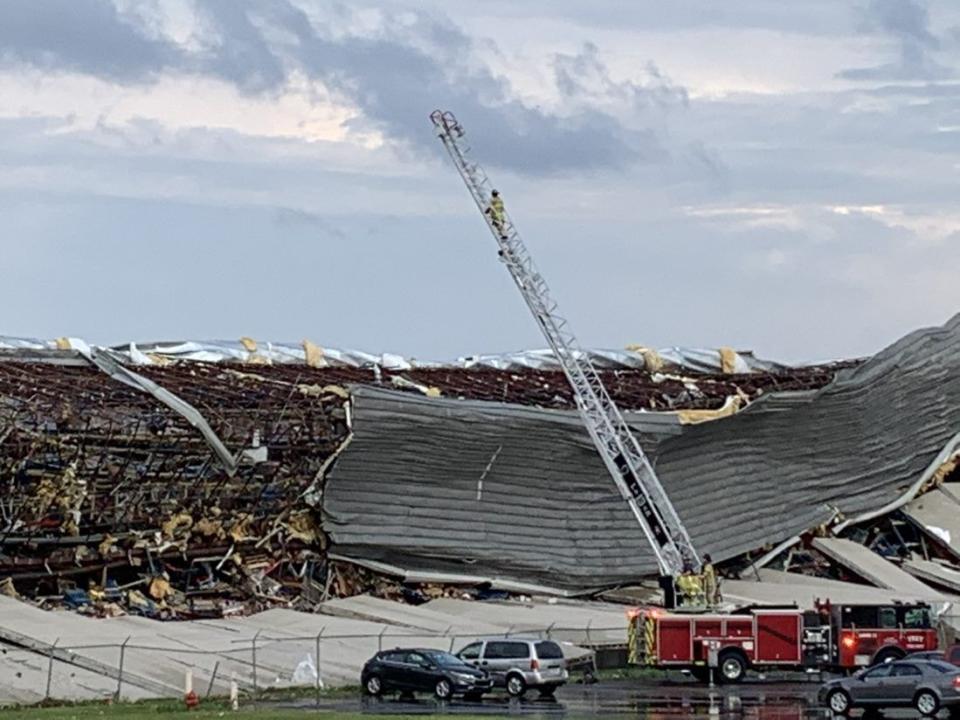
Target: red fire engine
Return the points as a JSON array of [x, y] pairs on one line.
[[832, 637]]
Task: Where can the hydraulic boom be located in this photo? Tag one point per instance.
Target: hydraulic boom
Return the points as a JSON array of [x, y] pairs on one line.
[[621, 453]]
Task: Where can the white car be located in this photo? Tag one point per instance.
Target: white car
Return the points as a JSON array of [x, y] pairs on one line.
[[519, 664]]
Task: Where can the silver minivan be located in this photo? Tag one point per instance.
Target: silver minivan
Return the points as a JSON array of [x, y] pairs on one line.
[[519, 663]]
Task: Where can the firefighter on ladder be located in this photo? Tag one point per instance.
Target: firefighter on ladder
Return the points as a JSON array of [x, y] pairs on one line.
[[497, 214]]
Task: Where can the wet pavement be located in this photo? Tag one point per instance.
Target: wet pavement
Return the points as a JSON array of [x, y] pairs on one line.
[[633, 698], [645, 699]]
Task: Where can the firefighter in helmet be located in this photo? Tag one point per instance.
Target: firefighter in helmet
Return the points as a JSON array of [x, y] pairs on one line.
[[711, 588], [497, 215], [690, 587]]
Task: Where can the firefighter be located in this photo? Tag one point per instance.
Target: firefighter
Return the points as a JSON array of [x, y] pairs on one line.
[[690, 587], [496, 213], [711, 588]]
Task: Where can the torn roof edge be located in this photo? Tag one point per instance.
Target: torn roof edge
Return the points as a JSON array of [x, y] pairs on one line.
[[701, 360]]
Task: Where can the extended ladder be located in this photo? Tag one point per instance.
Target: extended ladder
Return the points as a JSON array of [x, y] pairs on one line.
[[621, 453]]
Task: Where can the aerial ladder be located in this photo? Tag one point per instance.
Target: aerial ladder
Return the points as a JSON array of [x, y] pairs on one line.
[[625, 460]]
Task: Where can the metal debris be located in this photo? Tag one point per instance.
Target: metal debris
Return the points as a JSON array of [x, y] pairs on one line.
[[112, 501]]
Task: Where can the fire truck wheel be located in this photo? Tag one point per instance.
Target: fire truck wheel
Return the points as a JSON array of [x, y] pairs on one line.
[[733, 666], [887, 655], [839, 702], [926, 703]]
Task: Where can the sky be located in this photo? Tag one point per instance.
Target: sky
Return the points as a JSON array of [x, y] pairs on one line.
[[781, 177]]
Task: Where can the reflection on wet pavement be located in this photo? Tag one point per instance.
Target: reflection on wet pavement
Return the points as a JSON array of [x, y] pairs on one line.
[[635, 699]]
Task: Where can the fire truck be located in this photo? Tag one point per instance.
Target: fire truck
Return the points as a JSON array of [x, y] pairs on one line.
[[757, 637], [830, 637]]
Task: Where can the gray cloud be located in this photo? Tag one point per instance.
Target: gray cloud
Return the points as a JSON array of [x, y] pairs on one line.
[[817, 17], [396, 83], [585, 76], [396, 77], [908, 24], [84, 35]]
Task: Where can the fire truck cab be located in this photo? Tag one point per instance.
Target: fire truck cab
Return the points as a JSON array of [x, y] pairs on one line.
[[835, 637], [872, 634]]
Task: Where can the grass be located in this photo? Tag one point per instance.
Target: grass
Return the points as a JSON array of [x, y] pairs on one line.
[[174, 709], [630, 672]]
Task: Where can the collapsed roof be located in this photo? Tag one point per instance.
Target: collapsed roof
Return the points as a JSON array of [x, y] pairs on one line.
[[437, 488], [211, 475]]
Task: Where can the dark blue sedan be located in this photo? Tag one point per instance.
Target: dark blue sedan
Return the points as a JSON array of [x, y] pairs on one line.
[[421, 670]]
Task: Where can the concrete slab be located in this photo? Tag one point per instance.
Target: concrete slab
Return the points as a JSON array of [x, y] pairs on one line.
[[23, 680], [874, 568], [789, 578], [934, 572], [423, 617], [938, 514], [452, 622], [804, 595], [586, 624], [159, 654]]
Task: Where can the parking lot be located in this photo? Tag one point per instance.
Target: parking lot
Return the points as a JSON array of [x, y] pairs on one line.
[[761, 700]]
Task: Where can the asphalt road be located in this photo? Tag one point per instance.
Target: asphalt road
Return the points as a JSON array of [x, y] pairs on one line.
[[639, 699], [645, 699]]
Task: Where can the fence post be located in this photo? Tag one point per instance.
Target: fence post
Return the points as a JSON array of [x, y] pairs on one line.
[[588, 631], [319, 681], [550, 629], [213, 678], [123, 652], [50, 668], [508, 632], [380, 639], [253, 652]]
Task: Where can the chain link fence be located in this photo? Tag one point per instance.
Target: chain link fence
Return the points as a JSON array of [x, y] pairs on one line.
[[268, 660]]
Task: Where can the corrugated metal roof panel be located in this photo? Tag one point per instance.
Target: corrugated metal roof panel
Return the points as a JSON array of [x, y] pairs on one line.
[[520, 493]]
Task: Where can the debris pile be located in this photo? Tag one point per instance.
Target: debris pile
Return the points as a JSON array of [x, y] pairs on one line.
[[110, 495], [112, 502]]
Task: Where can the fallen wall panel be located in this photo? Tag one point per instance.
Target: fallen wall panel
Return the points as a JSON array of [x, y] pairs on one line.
[[938, 514], [870, 566], [934, 573]]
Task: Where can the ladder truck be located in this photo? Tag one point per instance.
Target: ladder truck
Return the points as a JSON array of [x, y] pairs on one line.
[[828, 636], [622, 455]]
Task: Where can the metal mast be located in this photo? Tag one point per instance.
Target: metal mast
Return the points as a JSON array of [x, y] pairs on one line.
[[621, 453]]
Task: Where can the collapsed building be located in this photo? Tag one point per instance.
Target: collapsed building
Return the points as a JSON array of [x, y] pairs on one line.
[[185, 480]]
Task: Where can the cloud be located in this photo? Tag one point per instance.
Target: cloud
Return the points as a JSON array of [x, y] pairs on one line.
[[394, 75], [584, 77], [908, 24], [397, 76], [293, 218], [88, 36]]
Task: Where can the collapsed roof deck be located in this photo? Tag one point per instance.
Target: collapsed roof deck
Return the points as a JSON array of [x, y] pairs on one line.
[[517, 495], [434, 474], [104, 480]]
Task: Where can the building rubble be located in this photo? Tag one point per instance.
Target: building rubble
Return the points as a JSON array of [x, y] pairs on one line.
[[525, 501], [114, 502], [178, 488]]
